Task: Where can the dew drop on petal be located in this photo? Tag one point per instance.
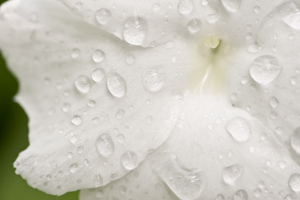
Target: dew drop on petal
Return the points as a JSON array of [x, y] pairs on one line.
[[65, 107], [103, 16], [239, 129], [73, 168], [75, 53], [274, 102], [98, 180], [294, 182], [232, 173], [219, 197], [129, 160], [120, 138], [231, 5], [76, 120], [295, 140], [194, 25], [83, 84], [185, 7], [91, 103], [105, 145], [256, 9], [98, 75], [154, 78], [264, 69], [240, 195], [116, 85], [98, 56], [135, 30], [120, 114], [289, 197]]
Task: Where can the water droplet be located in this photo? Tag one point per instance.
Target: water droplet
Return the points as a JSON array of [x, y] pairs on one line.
[[281, 164], [105, 145], [194, 25], [257, 193], [98, 75], [98, 180], [232, 173], [129, 160], [149, 119], [73, 139], [135, 30], [289, 197], [256, 9], [294, 182], [185, 7], [295, 140], [83, 84], [123, 190], [80, 149], [154, 78], [116, 85], [65, 107], [244, 80], [76, 120], [98, 56], [155, 7], [264, 69], [86, 162], [240, 195], [120, 114], [120, 138], [293, 80], [274, 102], [75, 53], [239, 129], [73, 168], [91, 103], [70, 155], [103, 16], [231, 5]]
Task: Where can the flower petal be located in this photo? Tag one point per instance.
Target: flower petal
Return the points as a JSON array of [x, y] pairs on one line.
[[96, 105]]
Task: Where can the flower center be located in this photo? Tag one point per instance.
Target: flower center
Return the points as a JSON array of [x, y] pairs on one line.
[[210, 65]]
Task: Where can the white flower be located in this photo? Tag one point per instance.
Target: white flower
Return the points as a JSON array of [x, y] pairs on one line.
[[158, 99]]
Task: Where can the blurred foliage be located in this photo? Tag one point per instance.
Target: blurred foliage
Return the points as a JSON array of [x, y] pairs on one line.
[[13, 140]]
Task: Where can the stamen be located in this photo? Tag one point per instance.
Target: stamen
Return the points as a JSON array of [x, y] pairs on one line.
[[211, 41]]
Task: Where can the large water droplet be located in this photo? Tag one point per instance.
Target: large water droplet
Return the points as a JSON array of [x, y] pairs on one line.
[[98, 75], [231, 5], [105, 145], [232, 173], [239, 129], [240, 195], [154, 78], [98, 180], [98, 56], [264, 69], [295, 140], [103, 16], [73, 168], [135, 30], [185, 7], [116, 85], [83, 84], [194, 25], [184, 182], [294, 182], [76, 120], [129, 160]]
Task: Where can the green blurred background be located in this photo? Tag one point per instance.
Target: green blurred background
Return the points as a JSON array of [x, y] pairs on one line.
[[13, 140]]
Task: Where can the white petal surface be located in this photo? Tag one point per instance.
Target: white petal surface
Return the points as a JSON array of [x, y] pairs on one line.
[[92, 100]]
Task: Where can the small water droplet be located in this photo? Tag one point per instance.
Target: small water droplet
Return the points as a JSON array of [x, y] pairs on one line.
[[98, 56], [257, 193], [129, 160], [75, 53], [244, 80], [135, 30], [220, 197], [156, 7], [264, 69], [294, 182], [295, 140], [281, 164], [83, 84], [73, 168], [98, 180], [103, 16], [239, 129], [232, 173], [120, 114], [91, 103], [154, 78], [149, 119], [70, 155], [185, 7], [73, 139], [98, 75], [293, 80], [86, 162], [116, 85], [194, 25], [256, 9], [130, 59], [120, 138], [231, 5], [76, 120], [274, 102], [105, 145], [240, 195], [123, 190]]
